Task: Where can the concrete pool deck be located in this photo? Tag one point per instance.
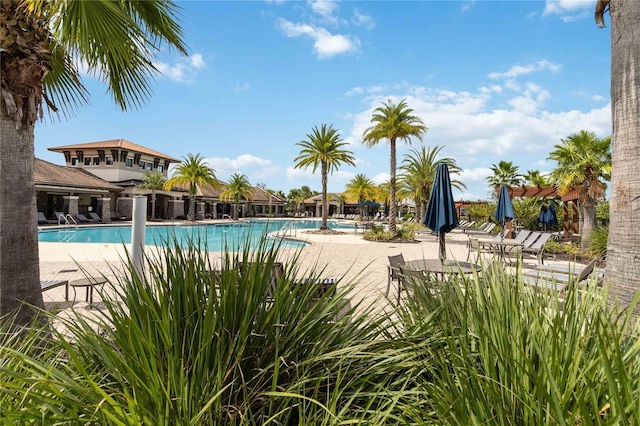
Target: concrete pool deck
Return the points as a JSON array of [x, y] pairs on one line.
[[347, 255]]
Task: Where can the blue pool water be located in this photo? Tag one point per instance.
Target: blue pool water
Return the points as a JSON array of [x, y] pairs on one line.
[[215, 236]]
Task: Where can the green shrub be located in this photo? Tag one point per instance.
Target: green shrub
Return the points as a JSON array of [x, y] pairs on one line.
[[490, 350], [184, 345], [598, 241]]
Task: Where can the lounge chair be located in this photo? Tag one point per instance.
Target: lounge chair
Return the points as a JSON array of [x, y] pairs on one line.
[[94, 216], [393, 270], [84, 219], [42, 220], [117, 216], [51, 284], [523, 235], [537, 248], [555, 281], [481, 231]]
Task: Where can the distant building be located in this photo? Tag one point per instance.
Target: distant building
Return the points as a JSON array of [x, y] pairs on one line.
[[116, 168]]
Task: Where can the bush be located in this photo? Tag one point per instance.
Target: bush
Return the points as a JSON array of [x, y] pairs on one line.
[[185, 345], [598, 241]]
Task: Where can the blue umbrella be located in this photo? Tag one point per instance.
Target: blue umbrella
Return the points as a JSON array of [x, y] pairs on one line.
[[548, 215], [441, 216], [542, 216], [504, 210]]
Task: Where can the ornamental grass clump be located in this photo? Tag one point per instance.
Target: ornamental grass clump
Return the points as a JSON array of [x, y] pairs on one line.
[[192, 341], [491, 350]]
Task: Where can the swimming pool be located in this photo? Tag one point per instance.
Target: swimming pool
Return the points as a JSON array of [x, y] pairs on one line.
[[214, 236]]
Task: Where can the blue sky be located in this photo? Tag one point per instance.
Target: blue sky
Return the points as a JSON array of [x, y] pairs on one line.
[[492, 80]]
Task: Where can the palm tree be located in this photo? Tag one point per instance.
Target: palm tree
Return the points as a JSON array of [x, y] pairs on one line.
[[191, 173], [360, 188], [382, 194], [623, 250], [393, 122], [584, 160], [535, 178], [236, 189], [152, 181], [419, 171], [42, 43], [505, 173], [323, 147]]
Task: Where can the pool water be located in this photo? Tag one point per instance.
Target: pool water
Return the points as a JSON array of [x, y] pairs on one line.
[[216, 237]]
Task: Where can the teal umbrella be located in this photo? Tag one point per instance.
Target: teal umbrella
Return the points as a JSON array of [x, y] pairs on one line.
[[504, 210], [441, 216]]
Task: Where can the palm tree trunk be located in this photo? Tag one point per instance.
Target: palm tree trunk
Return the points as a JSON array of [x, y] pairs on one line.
[[392, 187], [623, 251], [153, 203], [192, 208], [588, 222], [324, 196], [19, 264]]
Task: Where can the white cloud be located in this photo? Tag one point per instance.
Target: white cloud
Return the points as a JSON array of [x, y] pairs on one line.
[[242, 88], [477, 134], [323, 7], [467, 5], [518, 70], [325, 44], [255, 168], [563, 7], [182, 71], [362, 20]]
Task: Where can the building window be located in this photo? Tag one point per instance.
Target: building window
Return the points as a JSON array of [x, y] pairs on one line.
[[128, 162], [142, 164], [160, 168], [96, 161], [109, 160], [149, 165], [87, 161], [74, 161]]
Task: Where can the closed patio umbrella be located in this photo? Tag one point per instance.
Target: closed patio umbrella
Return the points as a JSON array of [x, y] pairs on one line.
[[441, 216], [504, 210], [548, 215]]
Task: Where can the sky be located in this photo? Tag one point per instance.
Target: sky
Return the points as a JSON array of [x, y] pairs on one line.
[[492, 80]]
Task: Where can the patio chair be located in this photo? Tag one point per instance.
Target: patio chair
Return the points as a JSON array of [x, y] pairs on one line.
[[393, 270], [117, 216], [408, 279], [42, 220], [555, 281], [537, 248]]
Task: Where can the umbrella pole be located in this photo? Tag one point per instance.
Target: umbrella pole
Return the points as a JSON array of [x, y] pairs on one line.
[[443, 252]]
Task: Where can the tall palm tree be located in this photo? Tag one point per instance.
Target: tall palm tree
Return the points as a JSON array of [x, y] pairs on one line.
[[324, 148], [623, 250], [419, 171], [152, 181], [236, 189], [393, 122], [584, 160], [504, 173], [360, 188], [42, 42], [191, 173]]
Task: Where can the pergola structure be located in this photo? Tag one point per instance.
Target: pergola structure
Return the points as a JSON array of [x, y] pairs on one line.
[[569, 201]]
